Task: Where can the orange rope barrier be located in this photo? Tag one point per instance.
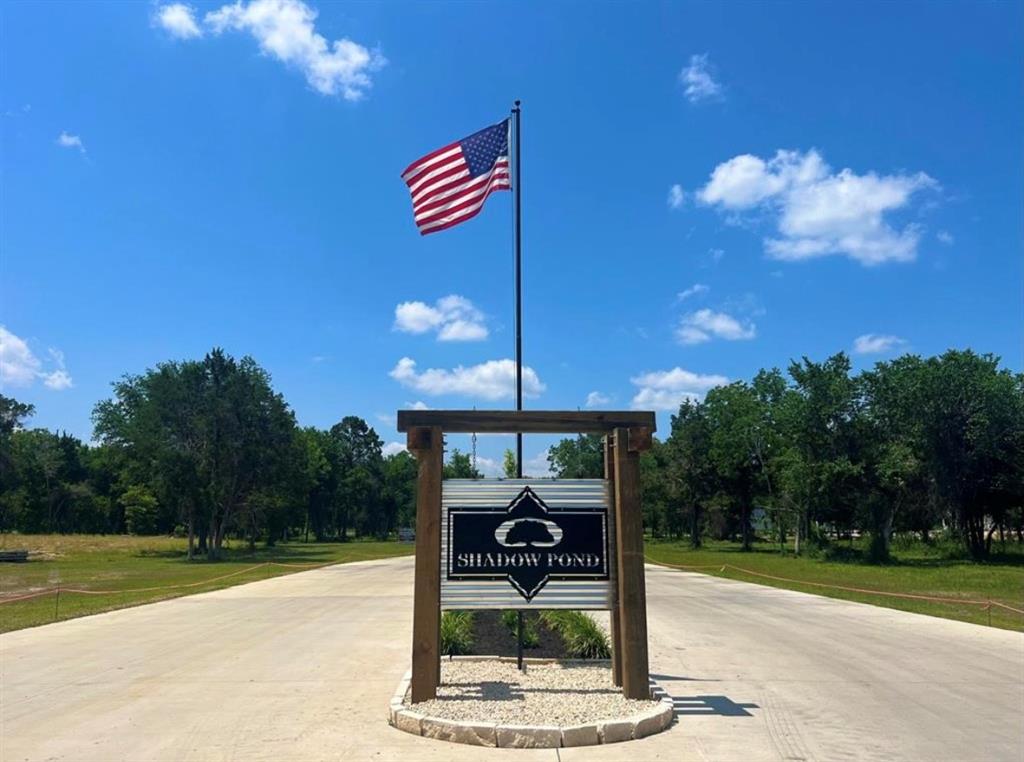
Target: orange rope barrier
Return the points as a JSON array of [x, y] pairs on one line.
[[914, 596]]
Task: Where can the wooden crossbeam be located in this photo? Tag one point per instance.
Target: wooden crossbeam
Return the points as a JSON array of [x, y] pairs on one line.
[[527, 421]]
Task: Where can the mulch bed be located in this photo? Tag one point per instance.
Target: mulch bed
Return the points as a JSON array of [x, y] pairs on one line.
[[492, 638]]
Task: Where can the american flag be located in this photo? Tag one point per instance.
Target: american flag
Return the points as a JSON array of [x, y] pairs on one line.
[[450, 185]]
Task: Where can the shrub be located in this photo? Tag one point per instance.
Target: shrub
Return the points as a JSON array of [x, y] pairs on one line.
[[456, 632], [582, 636], [531, 634], [140, 510]]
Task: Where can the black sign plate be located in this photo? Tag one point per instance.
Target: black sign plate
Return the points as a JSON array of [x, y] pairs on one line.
[[527, 544]]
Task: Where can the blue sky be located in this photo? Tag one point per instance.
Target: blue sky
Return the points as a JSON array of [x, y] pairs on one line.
[[708, 189]]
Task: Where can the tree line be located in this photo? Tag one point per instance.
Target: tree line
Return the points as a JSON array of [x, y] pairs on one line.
[[208, 449], [912, 445]]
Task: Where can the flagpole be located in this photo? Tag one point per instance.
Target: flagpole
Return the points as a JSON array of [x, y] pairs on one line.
[[517, 228], [517, 234]]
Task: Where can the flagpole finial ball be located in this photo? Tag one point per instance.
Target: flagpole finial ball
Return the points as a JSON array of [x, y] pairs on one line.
[[517, 102]]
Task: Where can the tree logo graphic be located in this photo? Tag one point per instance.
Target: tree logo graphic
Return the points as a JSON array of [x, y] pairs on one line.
[[529, 525]]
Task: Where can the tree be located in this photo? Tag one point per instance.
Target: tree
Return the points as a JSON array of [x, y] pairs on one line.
[[894, 449], [210, 435], [735, 418], [13, 414], [581, 457], [358, 462], [910, 445], [971, 418], [157, 422], [508, 464], [105, 472], [250, 430], [824, 421], [655, 491], [689, 468], [140, 510], [460, 466], [315, 480], [400, 472], [50, 481]]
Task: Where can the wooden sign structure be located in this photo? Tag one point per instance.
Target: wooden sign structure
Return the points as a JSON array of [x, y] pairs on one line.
[[626, 435]]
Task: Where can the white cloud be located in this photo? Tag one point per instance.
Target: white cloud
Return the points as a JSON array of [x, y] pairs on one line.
[[489, 467], [666, 389], [874, 343], [392, 420], [698, 79], [178, 20], [694, 290], [945, 237], [704, 325], [453, 317], [416, 317], [819, 212], [66, 140], [538, 466], [285, 30], [392, 448], [462, 330], [745, 181], [19, 365], [597, 399], [492, 380], [57, 380], [676, 197]]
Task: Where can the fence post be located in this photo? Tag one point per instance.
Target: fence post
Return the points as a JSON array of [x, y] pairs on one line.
[[427, 444], [609, 475], [630, 553]]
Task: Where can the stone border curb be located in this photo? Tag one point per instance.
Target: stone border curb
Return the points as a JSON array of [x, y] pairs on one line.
[[636, 726]]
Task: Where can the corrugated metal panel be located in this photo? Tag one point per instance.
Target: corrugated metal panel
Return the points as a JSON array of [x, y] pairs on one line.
[[557, 494]]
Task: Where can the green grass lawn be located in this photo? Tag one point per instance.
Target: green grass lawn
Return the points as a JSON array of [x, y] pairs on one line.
[[917, 570], [119, 562]]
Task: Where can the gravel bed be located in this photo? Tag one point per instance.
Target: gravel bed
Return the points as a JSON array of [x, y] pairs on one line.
[[546, 694]]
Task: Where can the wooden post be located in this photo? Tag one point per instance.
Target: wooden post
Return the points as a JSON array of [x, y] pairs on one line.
[[609, 475], [428, 446], [630, 551]]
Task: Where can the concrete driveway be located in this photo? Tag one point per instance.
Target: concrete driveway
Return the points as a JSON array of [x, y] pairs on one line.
[[302, 667]]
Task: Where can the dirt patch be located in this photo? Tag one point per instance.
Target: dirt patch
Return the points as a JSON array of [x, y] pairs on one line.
[[492, 638]]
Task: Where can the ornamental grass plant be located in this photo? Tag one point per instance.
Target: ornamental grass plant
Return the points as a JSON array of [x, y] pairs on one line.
[[456, 632], [583, 637]]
